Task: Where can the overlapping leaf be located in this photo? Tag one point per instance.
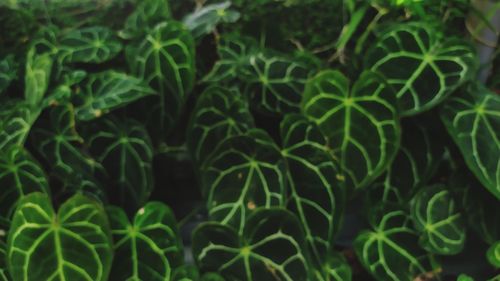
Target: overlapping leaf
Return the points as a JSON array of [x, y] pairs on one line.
[[125, 150], [390, 250], [37, 76], [315, 193], [146, 248], [436, 215], [335, 268], [219, 114], [254, 254], [146, 15], [8, 72], [204, 20], [73, 244], [165, 60], [473, 121], [244, 173], [63, 92], [15, 123], [421, 64], [275, 83], [105, 91], [94, 44], [361, 124], [20, 175]]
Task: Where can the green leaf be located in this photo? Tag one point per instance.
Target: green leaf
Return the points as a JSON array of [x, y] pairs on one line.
[[473, 121], [493, 254], [234, 54], [8, 72], [148, 247], [37, 76], [436, 216], [389, 251], [4, 274], [73, 244], [15, 123], [361, 124], [421, 63], [20, 174], [186, 272], [254, 254], [204, 20], [95, 44], [219, 114], [125, 150], [315, 194], [165, 60], [244, 173], [464, 277], [275, 83], [335, 268], [145, 17], [63, 92], [105, 91]]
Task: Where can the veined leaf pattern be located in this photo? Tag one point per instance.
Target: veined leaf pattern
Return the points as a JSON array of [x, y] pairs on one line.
[[145, 17], [204, 20], [4, 274], [105, 91], [73, 244], [146, 248], [20, 175], [421, 64], [15, 123], [36, 79], [361, 124], [253, 255], [8, 72], [245, 172], [315, 194], [473, 121], [219, 114], [335, 268]]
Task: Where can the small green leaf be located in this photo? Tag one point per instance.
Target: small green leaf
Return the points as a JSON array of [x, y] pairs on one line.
[[421, 63], [15, 123], [8, 72], [335, 268], [148, 247], [145, 17], [73, 244], [436, 216], [95, 44], [62, 93], [20, 174], [254, 254], [473, 121], [219, 114], [37, 76], [204, 20], [125, 150], [105, 91], [361, 124], [493, 254], [389, 251], [244, 173], [464, 277]]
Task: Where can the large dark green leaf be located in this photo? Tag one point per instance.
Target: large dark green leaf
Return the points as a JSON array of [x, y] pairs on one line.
[[146, 248], [271, 247], [438, 219], [473, 121], [315, 193], [125, 150], [165, 60], [219, 114], [145, 17], [275, 83], [73, 244], [20, 175], [361, 123], [390, 251], [8, 72], [89, 45], [15, 123], [37, 77], [421, 63], [204, 20], [105, 91], [244, 173]]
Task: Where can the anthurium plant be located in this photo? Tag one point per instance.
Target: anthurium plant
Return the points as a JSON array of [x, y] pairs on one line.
[[269, 140]]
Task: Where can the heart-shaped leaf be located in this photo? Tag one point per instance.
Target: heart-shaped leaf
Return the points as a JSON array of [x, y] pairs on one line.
[[73, 244], [15, 123], [8, 72], [315, 194], [361, 124], [146, 15], [165, 60], [421, 63], [37, 76], [94, 44], [435, 214], [125, 150], [146, 248], [473, 121], [219, 114], [20, 175], [390, 251], [244, 173], [253, 255], [105, 91]]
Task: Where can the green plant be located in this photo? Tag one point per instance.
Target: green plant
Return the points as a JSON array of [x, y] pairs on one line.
[[245, 140]]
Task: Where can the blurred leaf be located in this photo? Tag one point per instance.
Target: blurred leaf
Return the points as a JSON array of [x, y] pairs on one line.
[[204, 20]]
